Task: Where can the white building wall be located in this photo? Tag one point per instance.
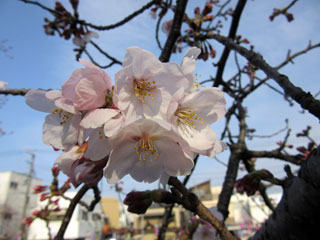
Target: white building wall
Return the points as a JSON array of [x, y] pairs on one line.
[[13, 187], [83, 224]]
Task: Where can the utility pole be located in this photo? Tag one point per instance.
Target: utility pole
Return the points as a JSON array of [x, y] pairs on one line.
[[26, 198]]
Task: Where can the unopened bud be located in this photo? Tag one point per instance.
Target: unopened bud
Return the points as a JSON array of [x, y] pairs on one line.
[[36, 213], [27, 221], [59, 7], [39, 188], [289, 16], [55, 171], [138, 202], [197, 11], [74, 4], [207, 9]]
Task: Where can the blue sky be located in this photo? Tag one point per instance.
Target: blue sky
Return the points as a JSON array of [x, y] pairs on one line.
[[41, 61]]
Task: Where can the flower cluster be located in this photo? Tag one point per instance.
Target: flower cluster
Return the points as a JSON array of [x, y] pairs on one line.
[[150, 124]]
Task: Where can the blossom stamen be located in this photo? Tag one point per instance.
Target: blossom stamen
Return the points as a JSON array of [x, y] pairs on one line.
[[188, 117], [64, 116], [143, 89], [146, 150]]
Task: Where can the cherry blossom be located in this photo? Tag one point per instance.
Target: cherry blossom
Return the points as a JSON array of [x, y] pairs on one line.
[[67, 158], [188, 65], [192, 116], [145, 149], [103, 124], [144, 86], [87, 88], [61, 128], [146, 126]]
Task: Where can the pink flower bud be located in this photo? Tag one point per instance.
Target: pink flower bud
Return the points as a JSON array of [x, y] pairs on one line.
[[207, 9], [27, 221], [44, 196], [87, 171], [39, 188], [55, 171], [36, 213]]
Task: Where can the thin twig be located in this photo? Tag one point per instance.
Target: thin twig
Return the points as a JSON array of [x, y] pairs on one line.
[[14, 92], [105, 54], [123, 21], [232, 33]]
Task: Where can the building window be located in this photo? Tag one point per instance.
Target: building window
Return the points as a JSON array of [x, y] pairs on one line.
[[96, 217], [13, 185], [7, 216], [85, 215]]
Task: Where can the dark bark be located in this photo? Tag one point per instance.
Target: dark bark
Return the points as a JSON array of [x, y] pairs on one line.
[[232, 33], [305, 99], [298, 214], [175, 30]]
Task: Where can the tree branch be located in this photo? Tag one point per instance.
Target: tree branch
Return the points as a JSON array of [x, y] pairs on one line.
[[306, 100], [68, 215], [123, 21], [233, 165], [289, 221], [191, 202], [232, 33], [175, 30], [168, 210], [14, 92]]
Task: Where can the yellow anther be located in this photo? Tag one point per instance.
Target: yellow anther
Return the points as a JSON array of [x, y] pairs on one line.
[[146, 149], [188, 117]]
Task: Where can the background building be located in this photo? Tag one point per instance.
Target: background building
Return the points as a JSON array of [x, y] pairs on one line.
[[16, 196], [83, 224]]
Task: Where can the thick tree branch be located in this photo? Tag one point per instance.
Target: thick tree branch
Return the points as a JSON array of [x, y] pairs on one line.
[[289, 221], [295, 159], [168, 210], [306, 100], [175, 30], [191, 202]]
